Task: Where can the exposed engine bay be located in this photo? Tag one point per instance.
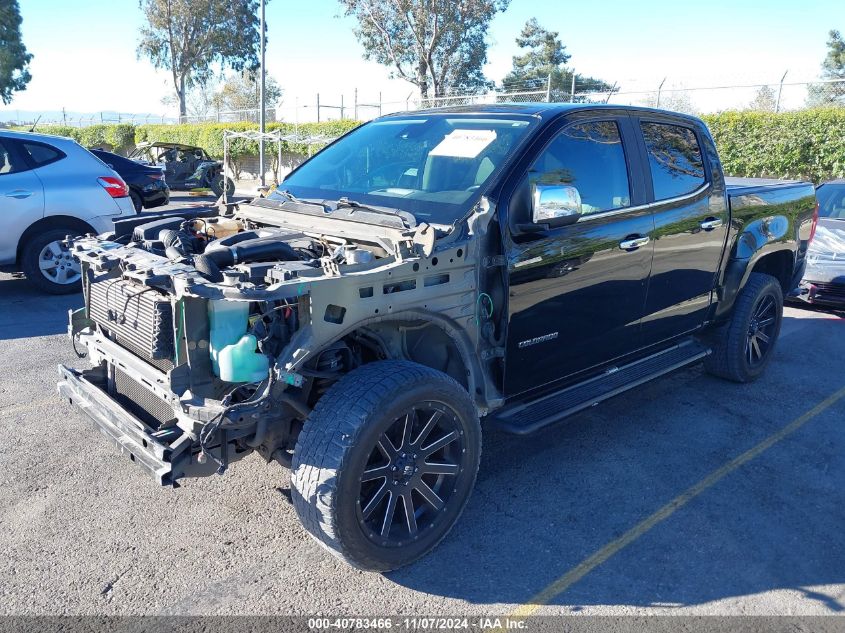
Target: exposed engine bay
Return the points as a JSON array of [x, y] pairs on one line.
[[218, 334]]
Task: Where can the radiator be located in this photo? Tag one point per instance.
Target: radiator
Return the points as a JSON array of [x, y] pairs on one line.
[[139, 318]]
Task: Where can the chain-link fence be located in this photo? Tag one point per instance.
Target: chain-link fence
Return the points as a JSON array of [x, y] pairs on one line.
[[490, 97], [16, 118], [776, 95], [230, 116], [767, 97]]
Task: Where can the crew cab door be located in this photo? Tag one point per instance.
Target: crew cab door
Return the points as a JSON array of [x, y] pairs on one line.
[[687, 191], [577, 293], [21, 198]]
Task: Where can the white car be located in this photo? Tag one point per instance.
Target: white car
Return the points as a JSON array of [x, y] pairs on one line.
[[51, 187]]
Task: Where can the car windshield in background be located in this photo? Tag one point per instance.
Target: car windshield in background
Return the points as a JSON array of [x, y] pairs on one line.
[[431, 166], [831, 199]]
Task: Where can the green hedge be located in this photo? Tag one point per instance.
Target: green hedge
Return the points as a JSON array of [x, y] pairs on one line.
[[209, 136], [809, 144], [122, 137], [119, 136]]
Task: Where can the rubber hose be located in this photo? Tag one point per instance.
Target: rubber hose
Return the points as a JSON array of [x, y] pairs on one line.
[[226, 242], [172, 252], [208, 268], [175, 239], [253, 250]]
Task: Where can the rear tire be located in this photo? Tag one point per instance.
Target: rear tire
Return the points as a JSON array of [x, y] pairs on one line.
[[743, 348], [49, 265], [377, 491], [217, 184]]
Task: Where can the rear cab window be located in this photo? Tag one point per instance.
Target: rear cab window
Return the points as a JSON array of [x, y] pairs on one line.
[[674, 158]]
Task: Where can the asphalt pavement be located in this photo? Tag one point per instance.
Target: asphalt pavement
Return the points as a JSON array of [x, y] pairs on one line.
[[688, 495]]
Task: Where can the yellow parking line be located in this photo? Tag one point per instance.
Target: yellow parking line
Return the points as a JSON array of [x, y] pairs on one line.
[[590, 563], [20, 408]]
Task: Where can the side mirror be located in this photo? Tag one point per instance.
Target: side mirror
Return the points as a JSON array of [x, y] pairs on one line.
[[555, 205]]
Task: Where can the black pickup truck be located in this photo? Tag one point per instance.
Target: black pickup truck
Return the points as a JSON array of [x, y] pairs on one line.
[[425, 275]]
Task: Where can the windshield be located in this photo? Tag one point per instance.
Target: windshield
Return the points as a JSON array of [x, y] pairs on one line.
[[433, 166], [831, 199]]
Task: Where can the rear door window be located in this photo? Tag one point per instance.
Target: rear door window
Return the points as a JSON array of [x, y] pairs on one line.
[[588, 156], [41, 153], [674, 157]]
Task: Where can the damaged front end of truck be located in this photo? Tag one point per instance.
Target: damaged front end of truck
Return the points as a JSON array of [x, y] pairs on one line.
[[210, 338]]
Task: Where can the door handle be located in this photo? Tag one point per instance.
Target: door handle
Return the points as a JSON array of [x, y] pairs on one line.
[[710, 224], [634, 243], [20, 194]]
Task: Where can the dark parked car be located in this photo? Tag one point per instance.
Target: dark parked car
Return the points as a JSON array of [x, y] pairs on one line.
[[824, 280], [424, 275], [147, 185], [186, 166]]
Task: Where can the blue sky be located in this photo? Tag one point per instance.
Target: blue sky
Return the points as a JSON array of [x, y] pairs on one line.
[[85, 51]]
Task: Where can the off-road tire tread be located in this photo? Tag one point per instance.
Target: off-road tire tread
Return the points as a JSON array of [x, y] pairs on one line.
[[727, 357], [322, 449]]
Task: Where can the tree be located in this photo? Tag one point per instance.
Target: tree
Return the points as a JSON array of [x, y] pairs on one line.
[[437, 45], [187, 36], [242, 92], [833, 67], [673, 99], [14, 74], [764, 100], [545, 59], [200, 100]]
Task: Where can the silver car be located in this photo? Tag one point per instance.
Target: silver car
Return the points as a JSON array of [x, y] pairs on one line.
[[51, 187]]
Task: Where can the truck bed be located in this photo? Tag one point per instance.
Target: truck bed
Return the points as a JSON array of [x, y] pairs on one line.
[[747, 193], [743, 186]]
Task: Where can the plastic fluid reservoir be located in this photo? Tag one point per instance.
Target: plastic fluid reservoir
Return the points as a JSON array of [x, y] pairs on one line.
[[241, 363], [227, 322]]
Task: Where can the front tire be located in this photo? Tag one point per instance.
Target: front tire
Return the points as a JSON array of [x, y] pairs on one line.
[[743, 348], [385, 464], [49, 265]]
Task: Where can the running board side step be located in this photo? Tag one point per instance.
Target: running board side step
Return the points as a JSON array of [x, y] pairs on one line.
[[528, 417]]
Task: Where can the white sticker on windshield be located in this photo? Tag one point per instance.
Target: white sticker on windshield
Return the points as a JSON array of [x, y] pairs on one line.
[[464, 143]]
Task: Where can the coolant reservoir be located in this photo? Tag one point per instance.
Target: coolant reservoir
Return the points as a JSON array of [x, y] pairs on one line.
[[222, 227], [227, 321], [241, 363]]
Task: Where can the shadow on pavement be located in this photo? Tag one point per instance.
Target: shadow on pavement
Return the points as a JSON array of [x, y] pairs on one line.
[[25, 311], [545, 503]]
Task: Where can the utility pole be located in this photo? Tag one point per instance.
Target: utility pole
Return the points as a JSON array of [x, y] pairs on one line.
[[780, 92], [262, 113]]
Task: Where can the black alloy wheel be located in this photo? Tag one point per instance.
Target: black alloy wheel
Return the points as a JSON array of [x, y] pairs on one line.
[[411, 475], [385, 463], [743, 347], [761, 331]]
